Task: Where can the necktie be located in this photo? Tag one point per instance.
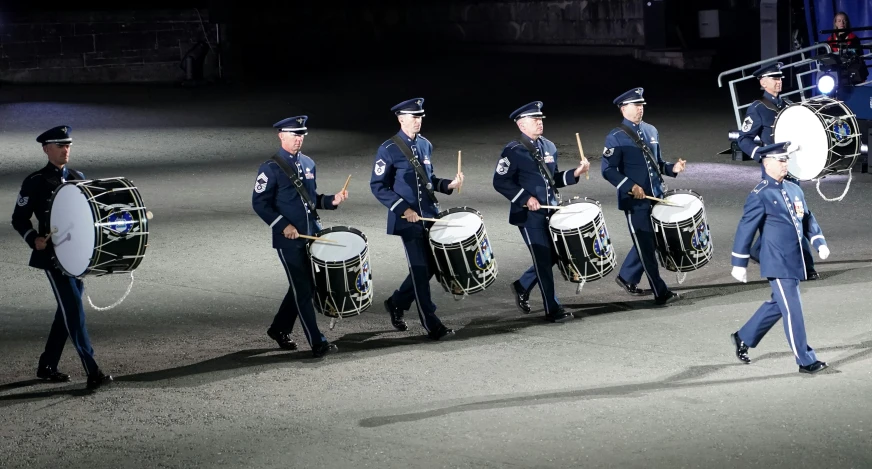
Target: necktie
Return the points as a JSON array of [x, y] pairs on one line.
[[64, 175]]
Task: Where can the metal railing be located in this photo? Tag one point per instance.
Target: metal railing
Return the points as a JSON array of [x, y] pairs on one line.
[[745, 70]]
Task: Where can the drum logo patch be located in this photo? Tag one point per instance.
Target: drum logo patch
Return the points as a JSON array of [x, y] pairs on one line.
[[841, 131], [700, 238], [379, 167], [797, 205], [22, 201], [120, 222], [260, 183], [362, 282], [601, 245], [485, 256], [503, 166], [747, 124]]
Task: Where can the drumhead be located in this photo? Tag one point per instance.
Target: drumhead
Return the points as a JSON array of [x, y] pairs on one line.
[[348, 245], [459, 227], [670, 214], [802, 127], [575, 216], [75, 239]]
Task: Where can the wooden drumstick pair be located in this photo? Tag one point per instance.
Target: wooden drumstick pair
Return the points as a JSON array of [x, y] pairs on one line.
[[581, 152], [662, 201]]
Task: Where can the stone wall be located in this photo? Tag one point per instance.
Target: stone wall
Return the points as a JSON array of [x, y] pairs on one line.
[[92, 47]]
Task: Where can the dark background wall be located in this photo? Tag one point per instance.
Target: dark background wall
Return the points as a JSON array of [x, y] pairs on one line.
[[271, 39]]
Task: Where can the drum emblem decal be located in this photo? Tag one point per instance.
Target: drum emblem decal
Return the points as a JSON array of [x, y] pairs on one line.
[[700, 238], [120, 222], [484, 257], [601, 245], [362, 282], [841, 131]]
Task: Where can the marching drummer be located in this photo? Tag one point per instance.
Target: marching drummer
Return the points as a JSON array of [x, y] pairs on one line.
[[759, 122], [633, 164], [778, 210], [69, 320], [285, 197], [528, 176], [403, 180]]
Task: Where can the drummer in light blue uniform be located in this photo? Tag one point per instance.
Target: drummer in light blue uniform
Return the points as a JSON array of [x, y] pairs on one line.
[[778, 210]]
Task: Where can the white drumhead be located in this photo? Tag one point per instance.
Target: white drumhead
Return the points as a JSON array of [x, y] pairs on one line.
[[670, 214], [800, 126], [74, 241], [459, 227], [575, 216], [348, 245]]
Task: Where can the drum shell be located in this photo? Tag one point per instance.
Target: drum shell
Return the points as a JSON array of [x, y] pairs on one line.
[[113, 203], [468, 265], [342, 288], [677, 242], [584, 254]]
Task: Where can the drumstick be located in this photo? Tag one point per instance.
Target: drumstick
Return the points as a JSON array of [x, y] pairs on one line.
[[54, 230], [581, 152], [458, 171], [149, 215], [662, 201], [434, 220], [553, 207], [346, 183], [318, 239]]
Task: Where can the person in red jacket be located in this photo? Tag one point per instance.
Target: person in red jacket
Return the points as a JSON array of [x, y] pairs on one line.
[[841, 21]]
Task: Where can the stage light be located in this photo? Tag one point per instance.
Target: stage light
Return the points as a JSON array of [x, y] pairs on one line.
[[826, 84]]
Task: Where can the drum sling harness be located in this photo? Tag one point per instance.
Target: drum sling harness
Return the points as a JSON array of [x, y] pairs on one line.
[[646, 151], [537, 157], [419, 170], [298, 184]]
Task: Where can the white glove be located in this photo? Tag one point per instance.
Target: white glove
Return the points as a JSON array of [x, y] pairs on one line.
[[823, 252], [740, 274]]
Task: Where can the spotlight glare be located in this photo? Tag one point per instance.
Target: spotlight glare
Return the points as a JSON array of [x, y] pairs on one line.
[[826, 84]]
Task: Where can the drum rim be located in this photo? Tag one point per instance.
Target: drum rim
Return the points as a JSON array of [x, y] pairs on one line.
[[580, 200], [341, 229], [465, 208]]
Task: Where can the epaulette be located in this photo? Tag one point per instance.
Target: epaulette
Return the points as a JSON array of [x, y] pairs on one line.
[[760, 186]]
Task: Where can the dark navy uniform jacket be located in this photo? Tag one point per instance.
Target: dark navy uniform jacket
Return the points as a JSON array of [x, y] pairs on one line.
[[517, 177], [396, 184], [758, 122], [279, 204], [624, 165], [779, 211], [35, 199]]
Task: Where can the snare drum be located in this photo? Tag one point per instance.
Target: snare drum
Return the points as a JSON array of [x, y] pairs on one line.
[[464, 258], [826, 133], [682, 233], [343, 279], [581, 239], [101, 225]]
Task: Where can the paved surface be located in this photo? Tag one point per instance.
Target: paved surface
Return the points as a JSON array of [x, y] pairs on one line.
[[626, 385]]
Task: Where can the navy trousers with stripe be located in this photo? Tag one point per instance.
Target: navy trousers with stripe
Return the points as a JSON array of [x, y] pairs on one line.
[[69, 322], [299, 301], [785, 304], [642, 259], [416, 287], [538, 241]]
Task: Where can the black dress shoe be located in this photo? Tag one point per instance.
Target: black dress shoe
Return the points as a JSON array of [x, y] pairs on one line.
[[522, 297], [813, 368], [47, 373], [324, 348], [812, 275], [741, 348], [99, 379], [669, 297], [282, 338], [631, 288], [443, 333], [396, 315], [561, 316]]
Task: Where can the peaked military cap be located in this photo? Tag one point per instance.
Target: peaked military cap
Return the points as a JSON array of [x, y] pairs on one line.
[[533, 109], [634, 96], [294, 125], [772, 69], [778, 151], [59, 135], [414, 107]]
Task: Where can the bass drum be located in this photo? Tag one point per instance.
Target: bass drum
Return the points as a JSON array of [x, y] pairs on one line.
[[824, 134]]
